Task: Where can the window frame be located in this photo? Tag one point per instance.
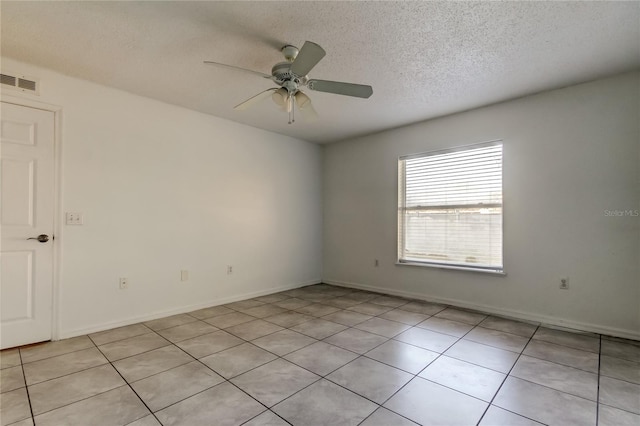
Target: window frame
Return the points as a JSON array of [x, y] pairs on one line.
[[401, 229]]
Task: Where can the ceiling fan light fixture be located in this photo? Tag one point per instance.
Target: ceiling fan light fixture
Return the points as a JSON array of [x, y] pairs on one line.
[[302, 100], [280, 97]]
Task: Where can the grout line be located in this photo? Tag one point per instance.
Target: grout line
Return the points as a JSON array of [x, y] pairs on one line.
[[26, 387], [598, 388], [129, 385], [505, 379]]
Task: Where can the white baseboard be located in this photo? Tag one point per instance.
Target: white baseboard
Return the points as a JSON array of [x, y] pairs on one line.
[[510, 313], [65, 334]]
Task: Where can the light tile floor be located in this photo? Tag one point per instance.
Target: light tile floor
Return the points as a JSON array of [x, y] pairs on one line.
[[324, 355]]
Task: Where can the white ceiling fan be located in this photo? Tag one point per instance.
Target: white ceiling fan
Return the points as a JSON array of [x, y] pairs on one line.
[[291, 76]]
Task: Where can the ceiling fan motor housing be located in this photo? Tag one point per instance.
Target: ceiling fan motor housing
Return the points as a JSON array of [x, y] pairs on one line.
[[281, 73]]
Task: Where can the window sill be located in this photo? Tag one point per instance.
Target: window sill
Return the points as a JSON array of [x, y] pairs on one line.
[[455, 268]]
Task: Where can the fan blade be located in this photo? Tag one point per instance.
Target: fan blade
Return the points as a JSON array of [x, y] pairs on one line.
[[305, 107], [238, 68], [307, 58], [339, 88], [254, 100]]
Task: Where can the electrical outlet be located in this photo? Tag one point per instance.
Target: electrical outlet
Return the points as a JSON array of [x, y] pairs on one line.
[[73, 218], [184, 275], [124, 283], [564, 283], [229, 269], [376, 262]]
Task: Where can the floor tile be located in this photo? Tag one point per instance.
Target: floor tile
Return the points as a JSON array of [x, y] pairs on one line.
[[187, 331], [163, 389], [132, 346], [390, 301], [509, 326], [289, 319], [409, 318], [347, 318], [264, 311], [564, 355], [464, 377], [620, 394], [229, 320], [621, 350], [216, 406], [14, 406], [363, 295], [441, 325], [321, 358], [119, 406], [61, 365], [496, 416], [319, 328], [371, 379], [213, 311], [382, 327], [237, 360], [483, 355], [272, 298], [425, 308], [498, 339], [275, 381], [120, 333], [427, 339], [356, 340], [292, 303], [9, 358], [545, 405], [317, 310], [208, 344], [11, 378], [168, 322], [47, 396], [243, 305], [370, 309], [384, 417], [148, 420], [49, 349], [315, 298], [140, 366], [283, 342], [253, 329], [428, 403], [467, 317], [403, 356], [565, 338], [559, 377], [267, 418], [609, 416], [309, 407], [25, 422], [342, 302], [619, 368]]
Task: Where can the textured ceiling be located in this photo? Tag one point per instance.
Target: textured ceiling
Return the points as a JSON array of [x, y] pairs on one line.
[[423, 59]]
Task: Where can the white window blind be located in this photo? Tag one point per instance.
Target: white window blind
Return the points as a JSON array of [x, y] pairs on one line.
[[450, 208]]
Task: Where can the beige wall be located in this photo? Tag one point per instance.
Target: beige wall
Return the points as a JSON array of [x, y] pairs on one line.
[[162, 189], [569, 155]]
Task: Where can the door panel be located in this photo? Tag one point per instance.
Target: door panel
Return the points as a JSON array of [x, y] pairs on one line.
[[27, 210]]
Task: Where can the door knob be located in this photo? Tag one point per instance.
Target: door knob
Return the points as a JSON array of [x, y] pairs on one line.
[[43, 238]]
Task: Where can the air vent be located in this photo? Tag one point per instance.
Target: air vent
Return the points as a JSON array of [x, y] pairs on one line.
[[21, 83]]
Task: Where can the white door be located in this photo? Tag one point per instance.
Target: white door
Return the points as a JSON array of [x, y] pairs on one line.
[[27, 211]]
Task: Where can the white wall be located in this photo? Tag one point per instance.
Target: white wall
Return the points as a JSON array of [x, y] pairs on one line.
[[163, 188], [569, 155]]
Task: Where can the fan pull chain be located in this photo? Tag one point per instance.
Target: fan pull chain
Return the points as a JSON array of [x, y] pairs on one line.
[[290, 107]]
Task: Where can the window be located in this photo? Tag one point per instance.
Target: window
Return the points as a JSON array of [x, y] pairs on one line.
[[450, 208]]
